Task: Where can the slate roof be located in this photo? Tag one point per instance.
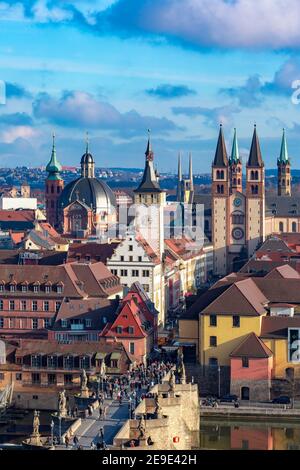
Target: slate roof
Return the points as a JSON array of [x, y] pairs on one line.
[[221, 159]]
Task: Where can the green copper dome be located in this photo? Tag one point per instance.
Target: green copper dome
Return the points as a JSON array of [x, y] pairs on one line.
[[54, 167]]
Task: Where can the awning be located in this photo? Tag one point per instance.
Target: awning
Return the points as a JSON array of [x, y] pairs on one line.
[[115, 355], [100, 355]]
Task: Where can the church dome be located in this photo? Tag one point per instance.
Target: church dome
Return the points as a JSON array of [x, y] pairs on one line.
[[94, 193]]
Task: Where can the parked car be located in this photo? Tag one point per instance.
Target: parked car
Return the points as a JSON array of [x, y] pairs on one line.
[[228, 398], [282, 400]]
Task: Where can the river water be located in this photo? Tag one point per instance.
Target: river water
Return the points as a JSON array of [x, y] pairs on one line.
[[251, 435]]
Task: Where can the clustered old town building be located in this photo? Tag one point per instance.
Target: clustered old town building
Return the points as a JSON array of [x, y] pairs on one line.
[[74, 297]]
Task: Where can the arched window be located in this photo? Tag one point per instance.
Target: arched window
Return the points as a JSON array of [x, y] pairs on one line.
[[52, 189], [222, 174], [239, 181], [222, 189], [234, 181], [280, 226], [256, 175], [218, 189], [252, 175], [218, 175], [294, 227]]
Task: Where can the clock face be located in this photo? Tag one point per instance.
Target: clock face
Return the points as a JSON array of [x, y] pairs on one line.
[[237, 233], [237, 202]]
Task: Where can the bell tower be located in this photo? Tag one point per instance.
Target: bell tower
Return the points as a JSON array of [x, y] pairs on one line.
[[255, 197], [284, 170], [53, 187], [235, 165], [220, 205]]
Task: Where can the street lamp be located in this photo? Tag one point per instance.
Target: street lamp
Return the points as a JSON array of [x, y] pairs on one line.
[[219, 381], [52, 432]]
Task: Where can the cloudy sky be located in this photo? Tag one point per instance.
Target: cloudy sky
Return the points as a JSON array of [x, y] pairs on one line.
[[118, 67]]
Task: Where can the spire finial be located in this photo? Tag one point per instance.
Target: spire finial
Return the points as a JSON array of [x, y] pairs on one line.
[[53, 139], [87, 140], [149, 153], [284, 155]]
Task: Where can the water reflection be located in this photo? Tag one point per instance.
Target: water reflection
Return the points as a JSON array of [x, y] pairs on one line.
[[248, 435]]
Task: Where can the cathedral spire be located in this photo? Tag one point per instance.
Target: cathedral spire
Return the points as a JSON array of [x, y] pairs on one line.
[[284, 156], [221, 159], [179, 167], [235, 156], [255, 158]]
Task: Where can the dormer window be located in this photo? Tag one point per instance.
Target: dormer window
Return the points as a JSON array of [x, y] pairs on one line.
[[130, 330], [2, 287], [24, 287], [59, 289], [119, 330], [47, 288], [12, 287], [36, 288]]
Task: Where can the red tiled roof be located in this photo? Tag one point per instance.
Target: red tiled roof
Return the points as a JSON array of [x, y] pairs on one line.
[[252, 347], [285, 271], [19, 215], [277, 326]]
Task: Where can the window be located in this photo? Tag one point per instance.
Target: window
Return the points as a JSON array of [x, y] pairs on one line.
[[236, 321], [140, 259], [121, 258], [47, 289], [68, 362], [131, 330], [1, 287], [51, 379], [84, 362], [47, 323], [130, 247], [119, 329], [1, 304], [34, 306], [213, 320], [46, 306], [35, 397], [36, 378], [114, 272], [245, 362], [280, 226], [36, 288], [131, 348], [57, 306], [24, 288], [23, 305], [64, 323], [1, 322], [11, 323], [130, 259], [59, 289], [34, 323], [52, 362], [213, 362], [146, 273], [12, 288], [68, 379], [123, 272], [11, 305], [88, 323], [294, 227], [36, 361], [135, 273], [213, 341], [18, 376]]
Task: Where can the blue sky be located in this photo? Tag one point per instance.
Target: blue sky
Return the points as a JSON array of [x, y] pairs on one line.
[[118, 67]]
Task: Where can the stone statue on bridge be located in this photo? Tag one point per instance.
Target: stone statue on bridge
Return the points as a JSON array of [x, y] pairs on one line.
[[62, 404]]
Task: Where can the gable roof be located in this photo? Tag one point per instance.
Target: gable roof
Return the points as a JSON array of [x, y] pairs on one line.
[[277, 326], [252, 347], [285, 271], [242, 297]]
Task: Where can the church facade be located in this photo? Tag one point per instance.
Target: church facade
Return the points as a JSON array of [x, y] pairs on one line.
[[85, 206]]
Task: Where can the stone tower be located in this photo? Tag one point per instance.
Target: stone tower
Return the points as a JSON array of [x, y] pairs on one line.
[[220, 196], [284, 170], [255, 196], [151, 196], [54, 187]]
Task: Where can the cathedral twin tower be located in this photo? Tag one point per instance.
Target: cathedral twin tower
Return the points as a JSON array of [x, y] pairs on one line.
[[237, 216]]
